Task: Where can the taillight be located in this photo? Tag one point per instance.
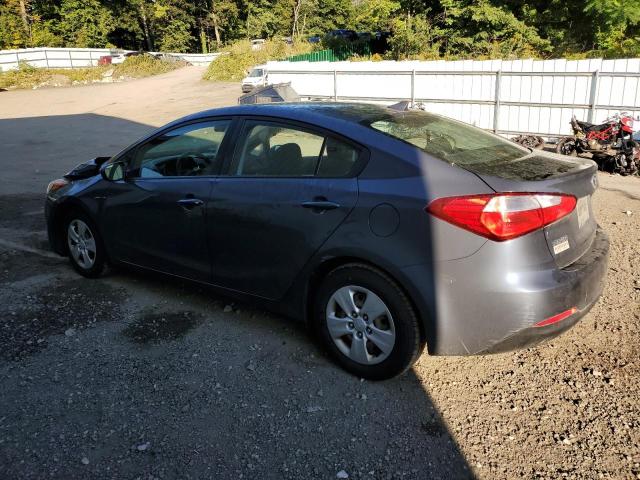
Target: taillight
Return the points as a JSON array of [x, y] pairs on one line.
[[503, 216]]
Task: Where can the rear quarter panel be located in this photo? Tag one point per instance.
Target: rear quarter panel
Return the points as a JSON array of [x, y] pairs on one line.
[[390, 228]]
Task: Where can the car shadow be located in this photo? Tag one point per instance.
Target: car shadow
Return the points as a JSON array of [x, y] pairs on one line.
[[180, 381], [39, 149], [271, 381]]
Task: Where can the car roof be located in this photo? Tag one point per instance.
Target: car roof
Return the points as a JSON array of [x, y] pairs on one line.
[[330, 115]]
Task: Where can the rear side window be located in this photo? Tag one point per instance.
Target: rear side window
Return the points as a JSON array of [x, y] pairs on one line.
[[268, 149], [451, 141], [273, 149], [338, 159]]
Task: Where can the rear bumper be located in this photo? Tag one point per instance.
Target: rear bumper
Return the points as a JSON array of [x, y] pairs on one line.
[[484, 308], [585, 279]]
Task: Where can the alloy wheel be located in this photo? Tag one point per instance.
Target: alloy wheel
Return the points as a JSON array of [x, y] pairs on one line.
[[82, 244]]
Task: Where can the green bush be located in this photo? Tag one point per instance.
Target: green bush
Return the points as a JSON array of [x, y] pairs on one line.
[[139, 66], [27, 76], [238, 59]]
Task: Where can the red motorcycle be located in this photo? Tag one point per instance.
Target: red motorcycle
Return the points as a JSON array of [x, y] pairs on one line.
[[610, 143]]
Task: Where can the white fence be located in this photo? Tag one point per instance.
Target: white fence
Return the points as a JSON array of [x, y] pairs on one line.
[[77, 57], [508, 97]]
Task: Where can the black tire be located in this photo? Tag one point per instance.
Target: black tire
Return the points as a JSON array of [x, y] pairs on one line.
[[567, 146], [408, 344], [97, 260]]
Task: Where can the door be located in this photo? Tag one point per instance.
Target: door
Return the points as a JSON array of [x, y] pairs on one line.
[[156, 217], [286, 189]]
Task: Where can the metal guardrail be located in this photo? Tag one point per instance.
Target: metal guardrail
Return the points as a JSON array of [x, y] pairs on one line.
[[78, 57], [53, 58], [496, 101]]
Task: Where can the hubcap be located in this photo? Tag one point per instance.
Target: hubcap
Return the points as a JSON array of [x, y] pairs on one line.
[[82, 244], [360, 324]]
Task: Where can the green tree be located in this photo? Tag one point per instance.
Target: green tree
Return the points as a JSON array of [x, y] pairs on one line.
[[175, 25], [13, 33], [224, 19], [480, 29], [415, 37], [330, 15], [85, 23], [375, 15], [562, 22], [615, 31]]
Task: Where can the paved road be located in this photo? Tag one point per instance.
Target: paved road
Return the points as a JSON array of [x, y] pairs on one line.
[[50, 130], [137, 376]]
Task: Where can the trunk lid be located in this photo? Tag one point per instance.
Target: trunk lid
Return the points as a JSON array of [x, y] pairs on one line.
[[570, 237]]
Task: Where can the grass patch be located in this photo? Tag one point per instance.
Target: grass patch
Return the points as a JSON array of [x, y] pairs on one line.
[[27, 76], [234, 65], [144, 66]]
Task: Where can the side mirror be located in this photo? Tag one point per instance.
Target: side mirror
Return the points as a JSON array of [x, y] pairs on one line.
[[113, 172]]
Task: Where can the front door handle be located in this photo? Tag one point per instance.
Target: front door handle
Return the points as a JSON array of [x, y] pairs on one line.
[[320, 205], [189, 203]]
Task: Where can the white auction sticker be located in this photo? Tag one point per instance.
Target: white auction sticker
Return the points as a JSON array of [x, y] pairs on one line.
[[560, 245]]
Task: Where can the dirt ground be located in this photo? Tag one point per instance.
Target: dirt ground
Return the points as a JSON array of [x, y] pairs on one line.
[[136, 376]]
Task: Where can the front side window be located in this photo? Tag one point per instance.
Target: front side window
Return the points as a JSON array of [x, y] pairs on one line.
[[271, 149], [192, 150]]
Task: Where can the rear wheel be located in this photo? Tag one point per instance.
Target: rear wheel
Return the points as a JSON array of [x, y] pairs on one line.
[[366, 322], [567, 146], [86, 252]]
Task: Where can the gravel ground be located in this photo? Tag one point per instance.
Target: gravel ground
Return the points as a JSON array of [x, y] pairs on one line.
[[135, 376], [569, 408]]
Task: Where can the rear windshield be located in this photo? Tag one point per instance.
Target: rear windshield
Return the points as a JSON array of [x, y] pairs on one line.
[[454, 142]]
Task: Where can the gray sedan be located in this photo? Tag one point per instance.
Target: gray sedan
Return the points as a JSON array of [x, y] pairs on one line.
[[386, 231]]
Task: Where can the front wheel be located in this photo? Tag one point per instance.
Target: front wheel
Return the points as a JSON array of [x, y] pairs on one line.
[[366, 322], [567, 146], [86, 252]]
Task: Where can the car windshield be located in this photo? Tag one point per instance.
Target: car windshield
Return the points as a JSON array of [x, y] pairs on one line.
[[452, 141], [256, 72]]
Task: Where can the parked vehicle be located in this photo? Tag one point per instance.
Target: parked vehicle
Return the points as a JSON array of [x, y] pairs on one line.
[[116, 58], [385, 230], [257, 44], [121, 57], [167, 57], [610, 143], [104, 60], [345, 34], [258, 77]]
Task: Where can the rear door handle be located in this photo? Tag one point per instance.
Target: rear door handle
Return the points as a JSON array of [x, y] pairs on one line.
[[321, 205], [189, 203]]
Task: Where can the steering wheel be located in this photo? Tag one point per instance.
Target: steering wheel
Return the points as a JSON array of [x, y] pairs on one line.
[[191, 164]]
